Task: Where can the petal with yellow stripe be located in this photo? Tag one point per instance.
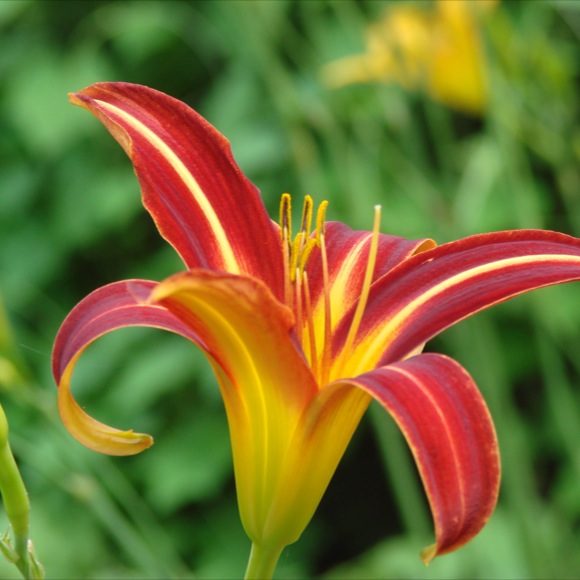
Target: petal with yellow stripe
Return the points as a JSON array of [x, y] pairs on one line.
[[437, 288], [265, 381], [347, 254], [447, 425], [190, 182]]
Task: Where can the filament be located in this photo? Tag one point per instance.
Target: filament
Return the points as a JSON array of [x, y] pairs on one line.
[[295, 255], [362, 301], [310, 325], [327, 313], [298, 301]]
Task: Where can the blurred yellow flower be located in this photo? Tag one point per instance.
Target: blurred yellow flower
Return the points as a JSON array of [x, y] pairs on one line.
[[438, 51]]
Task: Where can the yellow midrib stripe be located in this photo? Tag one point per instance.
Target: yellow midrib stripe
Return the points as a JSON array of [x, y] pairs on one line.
[[340, 282], [394, 324], [230, 261]]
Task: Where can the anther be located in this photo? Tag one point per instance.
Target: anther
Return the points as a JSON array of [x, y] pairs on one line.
[[302, 245], [286, 232], [306, 216], [320, 217], [296, 252]]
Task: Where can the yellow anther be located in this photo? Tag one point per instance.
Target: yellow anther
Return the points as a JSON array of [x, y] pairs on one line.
[[286, 216], [306, 216], [320, 217], [298, 250], [285, 232]]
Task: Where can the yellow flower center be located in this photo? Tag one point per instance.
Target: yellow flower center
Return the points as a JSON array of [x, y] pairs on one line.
[[317, 345]]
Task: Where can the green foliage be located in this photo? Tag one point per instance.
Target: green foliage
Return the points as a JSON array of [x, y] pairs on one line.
[[71, 220]]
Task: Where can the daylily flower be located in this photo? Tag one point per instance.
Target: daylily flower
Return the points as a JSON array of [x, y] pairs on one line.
[[304, 331], [437, 50]]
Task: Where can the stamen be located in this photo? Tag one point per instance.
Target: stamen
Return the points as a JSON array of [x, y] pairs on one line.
[[295, 254], [305, 254], [306, 216], [311, 242], [302, 245], [362, 302], [286, 231], [298, 302], [286, 216], [310, 324], [320, 217], [325, 363]]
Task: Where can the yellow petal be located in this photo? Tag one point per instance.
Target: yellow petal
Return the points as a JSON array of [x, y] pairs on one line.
[[265, 382], [92, 433]]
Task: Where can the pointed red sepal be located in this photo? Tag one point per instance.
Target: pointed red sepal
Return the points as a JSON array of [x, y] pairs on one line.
[[450, 432], [190, 182]]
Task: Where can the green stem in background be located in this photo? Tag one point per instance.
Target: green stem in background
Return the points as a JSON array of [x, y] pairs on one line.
[[17, 506], [402, 474], [262, 562]]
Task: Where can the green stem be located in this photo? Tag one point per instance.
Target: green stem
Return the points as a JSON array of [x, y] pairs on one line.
[[262, 562], [15, 498]]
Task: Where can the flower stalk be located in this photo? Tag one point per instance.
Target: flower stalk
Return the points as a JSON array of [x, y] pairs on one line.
[[262, 562], [18, 550]]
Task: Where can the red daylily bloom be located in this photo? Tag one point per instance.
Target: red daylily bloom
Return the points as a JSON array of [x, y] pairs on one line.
[[304, 332]]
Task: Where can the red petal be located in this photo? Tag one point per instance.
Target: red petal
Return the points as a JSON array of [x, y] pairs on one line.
[[348, 252], [447, 425], [111, 307], [200, 200], [439, 287]]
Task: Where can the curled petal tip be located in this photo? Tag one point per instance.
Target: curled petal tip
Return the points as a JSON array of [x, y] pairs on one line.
[[127, 442], [115, 442], [428, 554], [96, 435]]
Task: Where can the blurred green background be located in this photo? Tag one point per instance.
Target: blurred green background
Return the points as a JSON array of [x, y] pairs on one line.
[[71, 220]]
